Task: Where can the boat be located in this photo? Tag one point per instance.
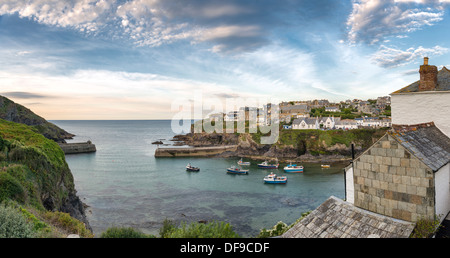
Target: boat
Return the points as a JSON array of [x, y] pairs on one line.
[[274, 179], [325, 166], [235, 170], [191, 168], [293, 168], [266, 164], [242, 163]]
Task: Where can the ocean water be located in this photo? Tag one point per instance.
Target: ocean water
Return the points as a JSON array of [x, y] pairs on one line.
[[124, 185]]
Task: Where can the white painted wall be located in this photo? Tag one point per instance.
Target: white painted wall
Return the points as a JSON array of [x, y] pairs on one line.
[[350, 187], [442, 186], [422, 107]]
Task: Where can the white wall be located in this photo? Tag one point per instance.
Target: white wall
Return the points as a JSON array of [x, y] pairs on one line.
[[422, 107], [350, 187], [442, 186]]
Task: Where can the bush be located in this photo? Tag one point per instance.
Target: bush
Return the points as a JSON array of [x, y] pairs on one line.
[[66, 222], [13, 224], [116, 232], [426, 228], [10, 188], [200, 230]]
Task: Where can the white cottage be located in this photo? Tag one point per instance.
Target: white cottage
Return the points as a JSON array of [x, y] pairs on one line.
[[305, 123], [425, 100]]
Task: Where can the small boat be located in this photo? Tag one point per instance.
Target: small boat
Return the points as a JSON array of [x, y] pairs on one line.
[[235, 170], [274, 179], [191, 168], [325, 166], [293, 168], [266, 164], [242, 163]]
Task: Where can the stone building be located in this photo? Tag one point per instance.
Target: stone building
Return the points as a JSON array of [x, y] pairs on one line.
[[404, 175]]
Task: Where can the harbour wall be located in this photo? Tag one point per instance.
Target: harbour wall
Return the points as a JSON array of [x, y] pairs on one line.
[[75, 148], [194, 151]]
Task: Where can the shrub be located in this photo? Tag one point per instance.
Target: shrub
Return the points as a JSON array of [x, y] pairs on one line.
[[13, 224], [10, 188], [200, 230], [426, 228], [65, 221], [116, 232]]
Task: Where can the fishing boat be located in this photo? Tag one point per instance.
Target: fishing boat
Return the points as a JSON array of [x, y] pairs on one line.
[[325, 166], [274, 179], [293, 168], [235, 170], [266, 164], [242, 163], [191, 168]]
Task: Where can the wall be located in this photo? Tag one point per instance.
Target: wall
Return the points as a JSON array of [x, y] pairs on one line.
[[422, 107], [390, 181], [442, 183]]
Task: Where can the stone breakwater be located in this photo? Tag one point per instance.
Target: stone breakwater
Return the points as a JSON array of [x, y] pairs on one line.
[[75, 148], [194, 151]]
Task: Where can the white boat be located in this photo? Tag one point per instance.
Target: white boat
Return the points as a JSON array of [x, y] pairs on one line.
[[242, 163], [293, 168], [235, 170], [325, 166], [266, 164], [191, 168], [274, 179]]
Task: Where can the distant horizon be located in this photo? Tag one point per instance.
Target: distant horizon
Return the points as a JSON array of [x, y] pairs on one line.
[[128, 59]]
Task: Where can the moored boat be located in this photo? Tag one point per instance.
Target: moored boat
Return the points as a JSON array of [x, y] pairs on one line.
[[235, 170], [242, 163], [325, 166], [293, 168], [191, 168], [274, 179], [266, 164]]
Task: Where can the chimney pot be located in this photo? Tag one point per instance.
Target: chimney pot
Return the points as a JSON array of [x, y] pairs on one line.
[[425, 61]]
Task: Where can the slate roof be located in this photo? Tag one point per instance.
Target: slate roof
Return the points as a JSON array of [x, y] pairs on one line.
[[443, 83], [426, 142], [336, 218]]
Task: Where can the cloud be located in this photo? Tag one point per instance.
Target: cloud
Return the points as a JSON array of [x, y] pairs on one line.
[[388, 57], [24, 95], [221, 26], [371, 21]]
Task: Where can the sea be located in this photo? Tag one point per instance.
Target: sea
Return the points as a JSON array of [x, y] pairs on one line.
[[124, 185]]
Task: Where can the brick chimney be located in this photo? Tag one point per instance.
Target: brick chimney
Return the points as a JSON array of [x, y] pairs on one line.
[[428, 76]]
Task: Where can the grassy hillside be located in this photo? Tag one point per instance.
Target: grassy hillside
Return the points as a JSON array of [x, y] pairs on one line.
[[35, 176], [14, 112], [329, 142]]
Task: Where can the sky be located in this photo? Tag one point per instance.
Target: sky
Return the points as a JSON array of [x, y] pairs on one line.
[[140, 59]]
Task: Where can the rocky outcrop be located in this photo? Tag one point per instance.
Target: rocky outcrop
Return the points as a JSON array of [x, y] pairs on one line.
[[311, 145]]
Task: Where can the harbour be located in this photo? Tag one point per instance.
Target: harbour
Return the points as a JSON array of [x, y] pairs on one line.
[[124, 184]]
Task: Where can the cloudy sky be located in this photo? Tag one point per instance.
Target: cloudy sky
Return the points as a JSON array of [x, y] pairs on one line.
[[130, 59]]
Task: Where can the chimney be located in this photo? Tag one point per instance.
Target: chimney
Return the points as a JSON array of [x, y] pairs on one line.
[[428, 76]]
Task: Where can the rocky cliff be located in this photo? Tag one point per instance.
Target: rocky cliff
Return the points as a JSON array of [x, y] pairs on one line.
[[17, 113], [34, 172]]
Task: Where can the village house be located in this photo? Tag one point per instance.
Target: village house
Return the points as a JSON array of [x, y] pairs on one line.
[[332, 109], [305, 123], [371, 122], [328, 122], [402, 178], [346, 124]]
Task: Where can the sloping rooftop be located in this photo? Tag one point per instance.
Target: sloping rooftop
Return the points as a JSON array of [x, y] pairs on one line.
[[426, 142], [336, 218], [443, 83]]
